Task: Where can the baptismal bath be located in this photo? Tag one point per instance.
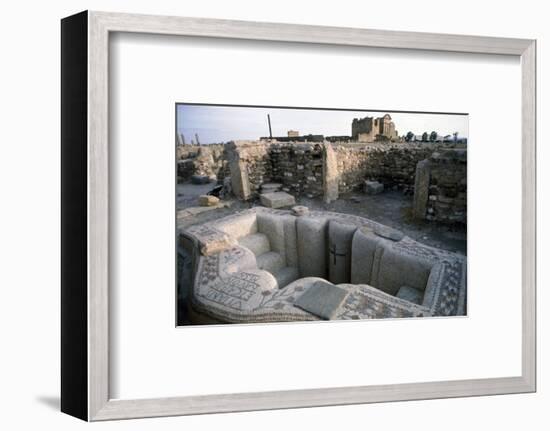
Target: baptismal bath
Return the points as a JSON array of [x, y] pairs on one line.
[[270, 265]]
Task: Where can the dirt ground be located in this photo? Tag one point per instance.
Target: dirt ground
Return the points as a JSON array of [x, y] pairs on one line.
[[391, 208]]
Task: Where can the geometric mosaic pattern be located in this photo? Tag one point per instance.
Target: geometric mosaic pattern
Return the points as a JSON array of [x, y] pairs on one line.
[[229, 287]]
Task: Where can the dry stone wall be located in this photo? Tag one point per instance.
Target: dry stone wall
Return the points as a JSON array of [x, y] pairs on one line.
[[434, 173], [441, 187], [187, 151], [447, 192], [393, 165], [206, 160], [298, 167], [249, 167]]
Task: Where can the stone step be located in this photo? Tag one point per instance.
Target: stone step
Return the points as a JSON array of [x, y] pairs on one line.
[[373, 187], [286, 276], [270, 261], [257, 243], [271, 187], [277, 200]]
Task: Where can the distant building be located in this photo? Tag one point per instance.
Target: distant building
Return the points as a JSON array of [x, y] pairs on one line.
[[293, 133], [370, 129]]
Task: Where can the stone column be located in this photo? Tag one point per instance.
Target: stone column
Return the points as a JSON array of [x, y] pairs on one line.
[[179, 139], [421, 189], [239, 172], [330, 174]]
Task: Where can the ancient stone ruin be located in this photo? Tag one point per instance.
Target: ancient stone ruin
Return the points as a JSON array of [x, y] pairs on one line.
[[371, 129], [435, 173], [265, 265], [440, 187]]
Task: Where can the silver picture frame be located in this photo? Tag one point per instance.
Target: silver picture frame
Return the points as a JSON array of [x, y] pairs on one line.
[[85, 215]]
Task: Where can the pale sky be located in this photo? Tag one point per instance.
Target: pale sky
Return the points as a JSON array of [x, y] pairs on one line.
[[216, 124]]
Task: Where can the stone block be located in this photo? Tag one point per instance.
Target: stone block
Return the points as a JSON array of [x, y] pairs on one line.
[[373, 187], [421, 189], [389, 233], [397, 269], [312, 250], [211, 240], [240, 183], [330, 170], [208, 201], [277, 199], [364, 245], [322, 299], [339, 248]]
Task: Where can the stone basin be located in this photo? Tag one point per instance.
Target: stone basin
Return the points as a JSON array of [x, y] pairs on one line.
[[265, 265]]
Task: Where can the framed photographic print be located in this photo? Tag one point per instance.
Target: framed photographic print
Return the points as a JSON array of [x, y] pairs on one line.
[[261, 216]]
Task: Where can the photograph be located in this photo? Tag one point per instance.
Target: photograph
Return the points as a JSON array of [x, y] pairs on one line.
[[294, 214], [260, 216]]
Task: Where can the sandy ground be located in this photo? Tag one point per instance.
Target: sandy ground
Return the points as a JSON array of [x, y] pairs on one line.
[[391, 208]]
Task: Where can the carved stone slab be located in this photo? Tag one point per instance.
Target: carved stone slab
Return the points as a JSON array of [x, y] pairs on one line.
[[389, 233], [210, 239], [277, 199], [322, 299]]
